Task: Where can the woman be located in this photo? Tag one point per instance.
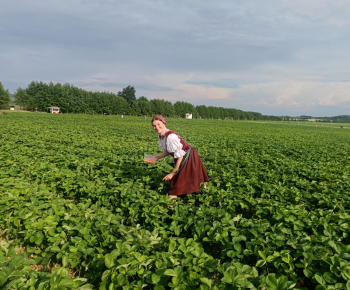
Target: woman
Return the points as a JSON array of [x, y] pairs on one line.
[[189, 171]]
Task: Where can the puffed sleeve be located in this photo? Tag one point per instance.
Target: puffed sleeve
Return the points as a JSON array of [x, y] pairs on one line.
[[174, 146]]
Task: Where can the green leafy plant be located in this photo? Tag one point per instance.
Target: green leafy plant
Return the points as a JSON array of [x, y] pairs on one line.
[[74, 191]]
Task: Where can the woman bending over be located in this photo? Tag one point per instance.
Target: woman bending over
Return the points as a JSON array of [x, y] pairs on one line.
[[189, 172]]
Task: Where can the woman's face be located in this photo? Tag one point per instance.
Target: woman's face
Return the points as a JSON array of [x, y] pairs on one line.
[[158, 126]]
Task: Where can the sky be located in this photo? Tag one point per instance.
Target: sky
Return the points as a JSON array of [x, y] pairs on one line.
[[275, 57]]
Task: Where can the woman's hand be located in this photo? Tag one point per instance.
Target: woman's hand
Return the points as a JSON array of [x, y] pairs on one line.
[[169, 176]]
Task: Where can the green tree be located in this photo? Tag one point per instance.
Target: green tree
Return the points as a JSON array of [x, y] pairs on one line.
[[158, 106], [214, 112], [36, 96], [142, 98], [129, 94], [135, 109], [5, 97], [144, 105], [169, 109], [122, 106], [21, 97], [182, 108], [202, 111]]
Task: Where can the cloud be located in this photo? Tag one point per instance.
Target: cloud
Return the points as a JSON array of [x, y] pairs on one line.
[[272, 56], [295, 96]]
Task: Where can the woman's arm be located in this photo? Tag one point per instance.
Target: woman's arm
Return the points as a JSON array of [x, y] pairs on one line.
[[177, 165], [176, 168], [160, 156]]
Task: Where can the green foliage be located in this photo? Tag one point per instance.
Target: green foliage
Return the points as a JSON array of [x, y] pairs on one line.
[[136, 111], [75, 191], [121, 106], [129, 94], [183, 108], [169, 109], [21, 97], [4, 97], [145, 106], [158, 107], [16, 272]]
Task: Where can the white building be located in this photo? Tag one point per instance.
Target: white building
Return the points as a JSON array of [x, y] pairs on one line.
[[188, 116], [54, 110]]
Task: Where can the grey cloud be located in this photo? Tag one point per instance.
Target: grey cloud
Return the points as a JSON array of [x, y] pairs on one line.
[[225, 44], [226, 84], [152, 88]]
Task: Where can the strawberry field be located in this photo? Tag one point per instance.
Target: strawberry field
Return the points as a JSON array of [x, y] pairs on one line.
[[75, 193]]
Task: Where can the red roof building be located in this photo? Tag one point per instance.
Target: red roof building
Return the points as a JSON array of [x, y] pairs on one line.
[[54, 110]]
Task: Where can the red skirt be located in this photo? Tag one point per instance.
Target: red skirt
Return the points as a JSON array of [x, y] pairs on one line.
[[190, 176]]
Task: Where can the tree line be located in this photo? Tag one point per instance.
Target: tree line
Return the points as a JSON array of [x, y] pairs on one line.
[[70, 99], [5, 97]]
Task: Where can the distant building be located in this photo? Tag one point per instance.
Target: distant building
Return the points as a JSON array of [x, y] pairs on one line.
[[11, 108], [54, 110], [188, 116]]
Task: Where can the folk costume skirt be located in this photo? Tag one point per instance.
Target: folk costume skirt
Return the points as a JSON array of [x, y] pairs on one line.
[[190, 176]]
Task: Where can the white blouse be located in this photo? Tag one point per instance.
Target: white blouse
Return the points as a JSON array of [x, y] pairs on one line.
[[173, 144]]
